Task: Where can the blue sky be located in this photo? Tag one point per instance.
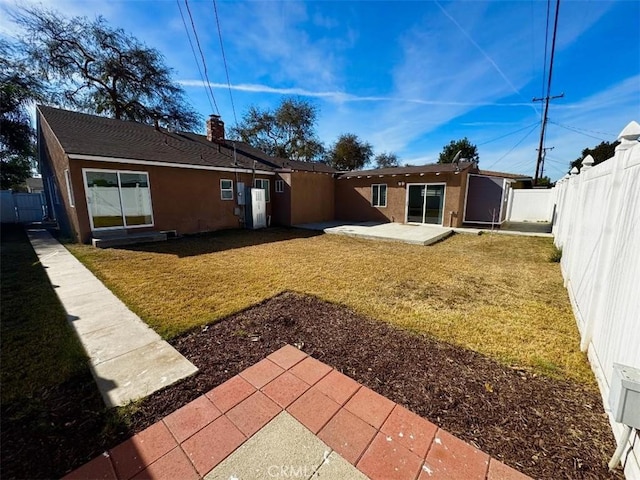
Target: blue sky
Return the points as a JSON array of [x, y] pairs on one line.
[[408, 76]]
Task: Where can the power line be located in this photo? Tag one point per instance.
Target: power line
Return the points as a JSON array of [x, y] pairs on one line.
[[582, 130], [204, 63], [224, 59], [515, 146], [507, 134], [548, 93], [195, 57], [546, 41]]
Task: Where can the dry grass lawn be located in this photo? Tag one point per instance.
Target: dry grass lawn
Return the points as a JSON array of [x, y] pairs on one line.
[[498, 295]]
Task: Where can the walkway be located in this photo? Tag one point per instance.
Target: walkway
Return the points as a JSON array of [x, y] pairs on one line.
[[291, 416], [128, 359], [397, 232]]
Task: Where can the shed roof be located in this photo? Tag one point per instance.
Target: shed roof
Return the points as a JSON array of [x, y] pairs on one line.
[[431, 168]]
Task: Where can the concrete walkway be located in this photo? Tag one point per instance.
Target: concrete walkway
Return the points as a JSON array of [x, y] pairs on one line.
[[396, 232], [292, 416], [128, 359]]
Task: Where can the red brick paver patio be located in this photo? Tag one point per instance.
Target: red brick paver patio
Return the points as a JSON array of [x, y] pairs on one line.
[[379, 437]]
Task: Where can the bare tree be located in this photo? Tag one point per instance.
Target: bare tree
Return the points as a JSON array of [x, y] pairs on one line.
[[95, 68]]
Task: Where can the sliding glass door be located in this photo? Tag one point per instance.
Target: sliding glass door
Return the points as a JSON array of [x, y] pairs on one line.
[[425, 203], [118, 199]]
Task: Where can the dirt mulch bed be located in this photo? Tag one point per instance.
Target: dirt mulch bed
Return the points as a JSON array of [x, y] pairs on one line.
[[543, 427]]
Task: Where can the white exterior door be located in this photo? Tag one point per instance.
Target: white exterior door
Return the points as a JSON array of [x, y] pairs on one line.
[[258, 208]]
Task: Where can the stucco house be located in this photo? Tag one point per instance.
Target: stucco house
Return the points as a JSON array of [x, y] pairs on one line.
[[105, 177], [449, 195]]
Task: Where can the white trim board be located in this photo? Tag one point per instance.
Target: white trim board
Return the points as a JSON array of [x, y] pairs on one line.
[[155, 163], [406, 203], [117, 172]]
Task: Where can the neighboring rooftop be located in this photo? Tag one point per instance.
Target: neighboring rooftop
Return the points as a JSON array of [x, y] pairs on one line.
[[431, 168], [514, 176]]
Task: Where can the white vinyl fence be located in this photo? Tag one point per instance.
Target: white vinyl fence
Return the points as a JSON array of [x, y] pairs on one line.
[[597, 225], [530, 205]]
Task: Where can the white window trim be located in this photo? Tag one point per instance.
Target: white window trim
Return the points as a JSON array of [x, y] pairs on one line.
[[226, 189], [279, 186], [117, 172], [406, 202], [267, 193], [386, 191], [67, 177]]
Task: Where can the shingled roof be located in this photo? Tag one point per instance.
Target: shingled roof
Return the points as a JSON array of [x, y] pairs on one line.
[[431, 168], [83, 134]]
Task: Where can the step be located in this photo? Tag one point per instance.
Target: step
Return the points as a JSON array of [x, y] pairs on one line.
[[128, 239]]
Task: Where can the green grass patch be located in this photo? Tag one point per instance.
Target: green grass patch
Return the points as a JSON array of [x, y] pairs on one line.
[[495, 294], [556, 255], [39, 348]]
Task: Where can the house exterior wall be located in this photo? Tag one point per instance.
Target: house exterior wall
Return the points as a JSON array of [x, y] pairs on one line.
[[282, 201], [53, 163], [186, 200], [312, 197], [353, 197]]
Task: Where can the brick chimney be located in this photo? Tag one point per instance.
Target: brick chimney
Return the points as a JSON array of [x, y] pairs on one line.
[[215, 128]]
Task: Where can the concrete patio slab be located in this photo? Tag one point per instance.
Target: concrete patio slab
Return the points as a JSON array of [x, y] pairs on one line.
[[128, 359], [283, 448], [238, 431], [337, 467], [395, 232]]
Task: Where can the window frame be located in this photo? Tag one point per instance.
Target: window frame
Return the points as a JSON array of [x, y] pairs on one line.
[[67, 178], [124, 221], [223, 190], [377, 186], [263, 181], [279, 186]]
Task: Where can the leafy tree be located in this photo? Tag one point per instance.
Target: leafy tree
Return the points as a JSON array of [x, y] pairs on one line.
[[545, 182], [467, 151], [349, 153], [288, 131], [600, 153], [386, 160], [18, 88], [95, 68]]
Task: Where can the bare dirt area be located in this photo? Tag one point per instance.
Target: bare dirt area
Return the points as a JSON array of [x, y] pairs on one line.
[[546, 428]]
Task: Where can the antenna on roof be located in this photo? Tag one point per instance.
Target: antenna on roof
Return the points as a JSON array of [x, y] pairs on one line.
[[456, 160]]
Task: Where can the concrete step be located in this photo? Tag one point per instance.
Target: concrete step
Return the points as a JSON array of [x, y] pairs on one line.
[[128, 239]]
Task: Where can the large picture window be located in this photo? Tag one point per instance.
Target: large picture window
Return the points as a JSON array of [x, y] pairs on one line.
[[264, 184], [118, 199], [379, 195]]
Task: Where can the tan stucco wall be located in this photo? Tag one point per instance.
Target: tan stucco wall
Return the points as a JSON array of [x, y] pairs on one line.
[[353, 197], [282, 201], [185, 200], [312, 197]]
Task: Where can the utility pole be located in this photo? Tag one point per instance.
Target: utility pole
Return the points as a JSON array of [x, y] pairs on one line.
[[541, 149], [547, 97], [544, 155]]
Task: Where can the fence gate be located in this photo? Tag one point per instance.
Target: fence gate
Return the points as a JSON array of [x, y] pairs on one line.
[[22, 207]]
